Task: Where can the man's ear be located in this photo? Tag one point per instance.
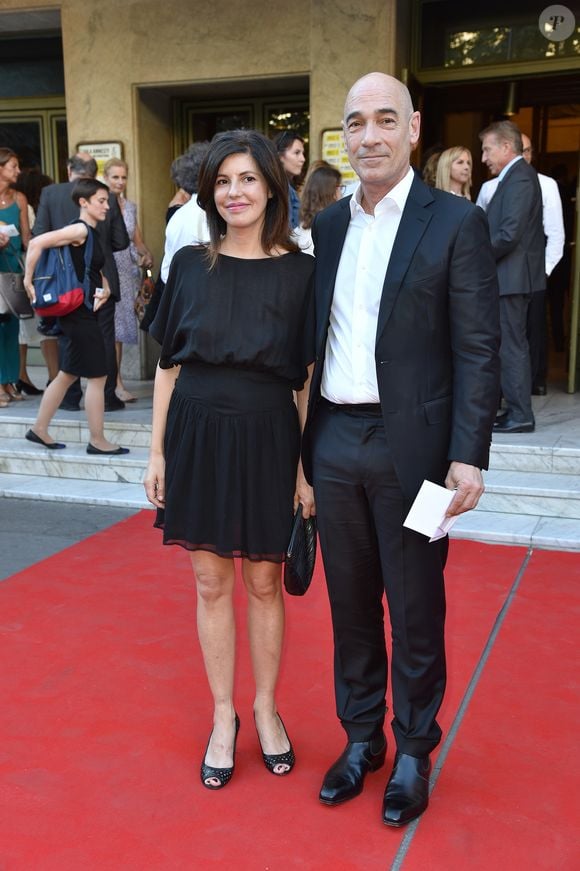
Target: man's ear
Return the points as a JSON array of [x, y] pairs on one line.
[[414, 128]]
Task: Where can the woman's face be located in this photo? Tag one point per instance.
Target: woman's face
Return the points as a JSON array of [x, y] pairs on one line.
[[241, 193], [293, 158], [97, 206], [116, 178], [10, 171], [461, 169]]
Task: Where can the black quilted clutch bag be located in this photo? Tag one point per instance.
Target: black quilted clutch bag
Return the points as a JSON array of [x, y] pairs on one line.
[[300, 555]]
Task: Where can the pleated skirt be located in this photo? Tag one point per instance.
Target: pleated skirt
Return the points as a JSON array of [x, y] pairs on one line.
[[232, 444]]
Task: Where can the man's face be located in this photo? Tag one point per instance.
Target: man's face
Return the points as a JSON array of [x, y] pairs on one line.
[[495, 153], [380, 131], [528, 151]]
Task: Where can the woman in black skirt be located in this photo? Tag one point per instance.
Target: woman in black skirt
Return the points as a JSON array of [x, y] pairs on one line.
[[236, 328], [84, 348]]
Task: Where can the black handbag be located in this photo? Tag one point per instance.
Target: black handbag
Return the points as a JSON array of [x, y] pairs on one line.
[[300, 554]]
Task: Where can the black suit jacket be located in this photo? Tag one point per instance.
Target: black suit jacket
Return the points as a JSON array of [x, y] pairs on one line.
[[437, 338], [517, 231], [57, 209]]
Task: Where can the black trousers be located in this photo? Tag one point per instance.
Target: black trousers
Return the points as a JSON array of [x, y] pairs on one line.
[[367, 552], [106, 321], [514, 352], [538, 337]]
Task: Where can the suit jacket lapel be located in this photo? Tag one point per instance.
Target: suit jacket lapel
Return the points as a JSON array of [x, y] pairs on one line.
[[328, 268], [414, 222]]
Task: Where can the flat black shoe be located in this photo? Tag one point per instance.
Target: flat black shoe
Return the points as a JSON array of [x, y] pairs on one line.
[[539, 390], [114, 404], [52, 446], [27, 388], [69, 406], [345, 779], [273, 760], [224, 775], [507, 424], [91, 449], [407, 792]]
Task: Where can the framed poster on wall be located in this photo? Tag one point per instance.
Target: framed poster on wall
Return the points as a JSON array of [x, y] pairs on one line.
[[101, 152], [334, 152]]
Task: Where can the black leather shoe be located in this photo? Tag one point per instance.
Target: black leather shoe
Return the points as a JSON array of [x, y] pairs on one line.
[[91, 449], [69, 406], [407, 792], [508, 424], [345, 779], [28, 389], [539, 390], [52, 446], [114, 404]]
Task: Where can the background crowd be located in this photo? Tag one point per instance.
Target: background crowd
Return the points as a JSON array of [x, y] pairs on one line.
[[32, 204]]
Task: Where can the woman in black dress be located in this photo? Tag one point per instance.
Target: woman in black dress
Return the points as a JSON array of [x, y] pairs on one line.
[[235, 324], [84, 352]]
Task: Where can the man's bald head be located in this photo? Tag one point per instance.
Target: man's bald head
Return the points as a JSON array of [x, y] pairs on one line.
[[379, 83], [380, 130]]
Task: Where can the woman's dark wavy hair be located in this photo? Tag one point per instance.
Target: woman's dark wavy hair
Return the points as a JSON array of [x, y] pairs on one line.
[[275, 232], [319, 192]]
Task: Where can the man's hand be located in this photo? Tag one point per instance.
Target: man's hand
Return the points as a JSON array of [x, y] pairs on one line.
[[468, 482]]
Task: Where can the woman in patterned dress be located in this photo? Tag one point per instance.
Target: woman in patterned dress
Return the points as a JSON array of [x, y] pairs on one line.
[[128, 263]]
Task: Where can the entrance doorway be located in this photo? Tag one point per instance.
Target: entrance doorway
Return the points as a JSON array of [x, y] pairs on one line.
[[548, 111]]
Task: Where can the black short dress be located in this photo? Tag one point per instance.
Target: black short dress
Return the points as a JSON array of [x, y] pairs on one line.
[[83, 347], [243, 333]]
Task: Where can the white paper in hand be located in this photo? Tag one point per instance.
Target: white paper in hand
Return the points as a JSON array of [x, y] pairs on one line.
[[427, 513]]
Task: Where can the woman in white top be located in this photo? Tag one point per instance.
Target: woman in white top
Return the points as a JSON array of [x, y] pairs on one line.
[[454, 171], [323, 186]]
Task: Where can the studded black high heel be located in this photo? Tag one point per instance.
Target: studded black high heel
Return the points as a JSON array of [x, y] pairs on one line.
[[273, 760], [224, 775]]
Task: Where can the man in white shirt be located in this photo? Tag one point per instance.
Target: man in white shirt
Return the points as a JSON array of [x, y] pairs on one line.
[[188, 226], [553, 223], [404, 389]]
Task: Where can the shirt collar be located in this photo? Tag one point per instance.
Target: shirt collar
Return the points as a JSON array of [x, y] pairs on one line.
[[398, 195], [508, 166]]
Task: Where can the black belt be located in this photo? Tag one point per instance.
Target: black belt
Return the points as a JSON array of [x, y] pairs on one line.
[[362, 408]]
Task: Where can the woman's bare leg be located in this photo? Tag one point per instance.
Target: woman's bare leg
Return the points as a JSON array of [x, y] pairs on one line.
[[266, 634], [216, 629], [51, 399]]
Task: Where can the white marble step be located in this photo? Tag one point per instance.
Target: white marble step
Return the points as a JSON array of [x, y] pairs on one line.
[[563, 457], [531, 493], [20, 457], [75, 431], [88, 492], [553, 533]]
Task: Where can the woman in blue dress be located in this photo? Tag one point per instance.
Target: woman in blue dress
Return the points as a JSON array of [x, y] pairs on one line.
[[13, 213]]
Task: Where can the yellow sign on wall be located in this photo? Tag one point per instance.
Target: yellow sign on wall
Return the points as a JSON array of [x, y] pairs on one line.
[[334, 152]]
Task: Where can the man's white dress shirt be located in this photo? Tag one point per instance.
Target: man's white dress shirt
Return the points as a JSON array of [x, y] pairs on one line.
[[349, 374], [188, 226]]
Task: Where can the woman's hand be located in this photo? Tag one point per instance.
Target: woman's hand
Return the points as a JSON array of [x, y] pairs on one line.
[[102, 294], [29, 288], [154, 481], [304, 494]]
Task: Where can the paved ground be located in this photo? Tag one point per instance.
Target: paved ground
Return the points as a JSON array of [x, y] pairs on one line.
[[31, 531]]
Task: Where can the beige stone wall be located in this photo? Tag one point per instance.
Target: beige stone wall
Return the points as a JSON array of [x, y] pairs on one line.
[[115, 49]]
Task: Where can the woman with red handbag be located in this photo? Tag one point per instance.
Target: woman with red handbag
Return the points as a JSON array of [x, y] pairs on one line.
[[84, 353]]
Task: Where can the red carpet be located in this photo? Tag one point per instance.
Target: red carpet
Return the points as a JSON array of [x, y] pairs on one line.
[[105, 715]]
